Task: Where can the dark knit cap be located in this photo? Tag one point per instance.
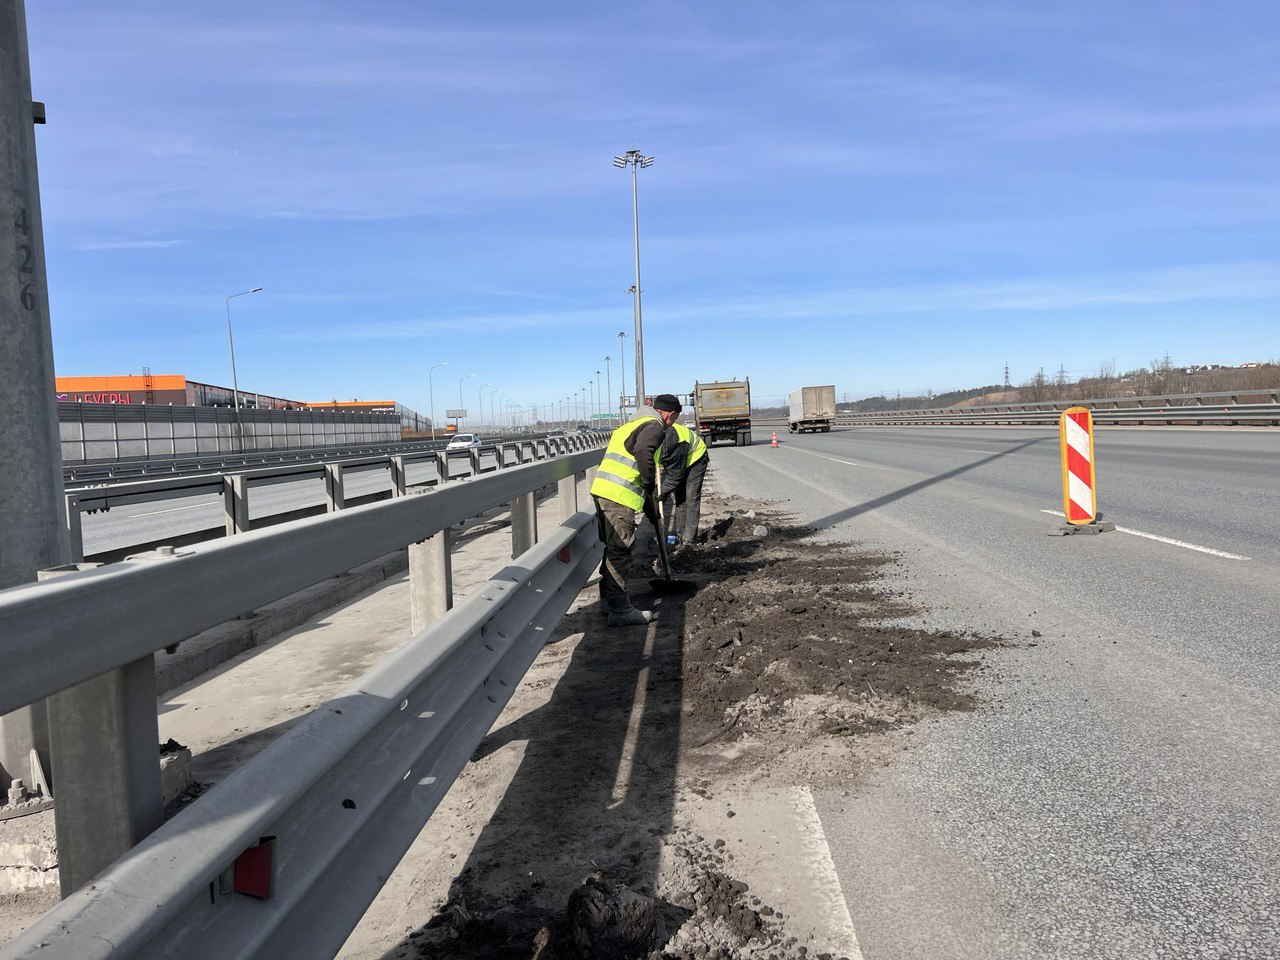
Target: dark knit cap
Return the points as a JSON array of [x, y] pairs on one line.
[[667, 402]]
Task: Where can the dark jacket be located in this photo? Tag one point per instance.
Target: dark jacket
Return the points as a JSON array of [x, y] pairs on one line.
[[646, 442], [675, 463]]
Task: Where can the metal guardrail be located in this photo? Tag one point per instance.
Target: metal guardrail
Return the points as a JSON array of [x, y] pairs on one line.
[[341, 796], [99, 470], [1218, 407], [155, 600], [236, 486]]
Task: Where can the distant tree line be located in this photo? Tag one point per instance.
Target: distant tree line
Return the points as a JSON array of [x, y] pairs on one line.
[[1163, 376]]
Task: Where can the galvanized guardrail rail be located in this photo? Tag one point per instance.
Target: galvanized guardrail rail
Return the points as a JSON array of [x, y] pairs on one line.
[[331, 807], [1193, 408], [97, 471], [433, 465]]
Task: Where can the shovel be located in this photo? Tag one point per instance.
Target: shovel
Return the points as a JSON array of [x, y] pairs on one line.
[[665, 584]]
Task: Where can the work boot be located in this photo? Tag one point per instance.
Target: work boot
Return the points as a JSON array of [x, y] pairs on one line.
[[623, 614]]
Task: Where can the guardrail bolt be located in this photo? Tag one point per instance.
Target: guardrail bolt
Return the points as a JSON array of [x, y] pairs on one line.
[[18, 792]]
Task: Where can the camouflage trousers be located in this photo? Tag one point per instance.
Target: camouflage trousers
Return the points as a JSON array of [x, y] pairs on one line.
[[617, 527]]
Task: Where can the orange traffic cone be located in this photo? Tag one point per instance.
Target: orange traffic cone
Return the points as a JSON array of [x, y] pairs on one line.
[[775, 439]]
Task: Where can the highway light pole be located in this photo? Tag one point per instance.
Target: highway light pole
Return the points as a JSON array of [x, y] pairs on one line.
[[608, 384], [480, 398], [622, 372], [599, 387], [461, 405], [635, 160], [235, 387], [432, 391]]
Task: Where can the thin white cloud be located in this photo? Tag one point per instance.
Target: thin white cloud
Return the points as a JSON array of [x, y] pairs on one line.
[[1230, 281], [92, 245]]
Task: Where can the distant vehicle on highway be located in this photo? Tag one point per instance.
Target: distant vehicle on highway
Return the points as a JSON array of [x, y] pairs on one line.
[[722, 411], [812, 408], [463, 441], [555, 433]]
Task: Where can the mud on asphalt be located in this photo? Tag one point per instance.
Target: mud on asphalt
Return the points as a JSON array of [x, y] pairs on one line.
[[787, 665]]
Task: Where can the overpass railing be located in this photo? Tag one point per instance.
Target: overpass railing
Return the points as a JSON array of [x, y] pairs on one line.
[[283, 857]]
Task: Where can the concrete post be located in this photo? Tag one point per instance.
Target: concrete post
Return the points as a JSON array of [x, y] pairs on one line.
[[106, 767], [33, 533], [524, 523], [430, 580], [442, 467], [235, 501], [567, 491]]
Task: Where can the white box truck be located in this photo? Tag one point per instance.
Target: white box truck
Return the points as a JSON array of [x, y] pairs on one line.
[[812, 408]]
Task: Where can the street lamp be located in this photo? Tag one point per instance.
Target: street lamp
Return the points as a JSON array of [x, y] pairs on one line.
[[599, 387], [480, 398], [635, 160], [608, 384], [493, 412], [431, 389], [461, 404], [622, 372], [235, 387]]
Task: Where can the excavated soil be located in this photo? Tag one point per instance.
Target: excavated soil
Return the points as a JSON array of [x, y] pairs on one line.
[[787, 665]]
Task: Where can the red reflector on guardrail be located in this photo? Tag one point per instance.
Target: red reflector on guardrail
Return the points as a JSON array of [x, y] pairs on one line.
[[564, 555], [254, 869]]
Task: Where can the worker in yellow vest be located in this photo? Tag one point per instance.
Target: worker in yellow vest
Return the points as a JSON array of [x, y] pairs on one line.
[[682, 482], [625, 485]]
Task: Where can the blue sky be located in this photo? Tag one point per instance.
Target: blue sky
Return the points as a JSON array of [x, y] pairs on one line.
[[882, 195]]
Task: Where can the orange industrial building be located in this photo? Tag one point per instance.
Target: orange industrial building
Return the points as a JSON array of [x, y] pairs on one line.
[[174, 389], [163, 388]]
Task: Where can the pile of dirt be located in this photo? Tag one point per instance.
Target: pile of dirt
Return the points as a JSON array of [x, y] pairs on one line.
[[795, 641], [788, 665]]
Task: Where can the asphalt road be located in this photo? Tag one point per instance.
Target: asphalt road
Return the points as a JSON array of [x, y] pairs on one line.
[[1117, 794], [131, 524]]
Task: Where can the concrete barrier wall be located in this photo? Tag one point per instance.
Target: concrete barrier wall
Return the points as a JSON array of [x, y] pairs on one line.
[[95, 431]]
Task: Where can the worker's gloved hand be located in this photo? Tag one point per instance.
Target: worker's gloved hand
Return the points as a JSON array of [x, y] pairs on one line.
[[651, 506]]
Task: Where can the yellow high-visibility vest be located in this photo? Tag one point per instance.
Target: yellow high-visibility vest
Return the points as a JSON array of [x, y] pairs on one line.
[[697, 446], [618, 476]]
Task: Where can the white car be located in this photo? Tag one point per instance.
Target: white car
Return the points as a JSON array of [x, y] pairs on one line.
[[463, 441]]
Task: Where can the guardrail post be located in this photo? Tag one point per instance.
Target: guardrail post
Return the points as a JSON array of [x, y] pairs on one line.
[[399, 483], [334, 487], [104, 740], [474, 457], [430, 580], [567, 491], [442, 467], [235, 502], [524, 523], [75, 527]]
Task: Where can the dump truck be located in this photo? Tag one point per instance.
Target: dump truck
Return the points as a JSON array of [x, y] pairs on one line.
[[722, 411], [812, 408]]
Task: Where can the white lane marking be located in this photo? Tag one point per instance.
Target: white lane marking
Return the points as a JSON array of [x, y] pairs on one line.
[[817, 854], [989, 453], [1169, 540], [847, 463], [190, 506]]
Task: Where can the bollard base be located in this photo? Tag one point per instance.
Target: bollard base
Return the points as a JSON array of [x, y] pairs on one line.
[[1072, 529]]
